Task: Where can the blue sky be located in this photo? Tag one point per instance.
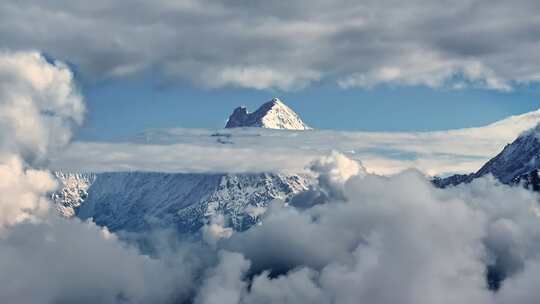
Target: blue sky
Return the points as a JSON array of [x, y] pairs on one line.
[[121, 108]]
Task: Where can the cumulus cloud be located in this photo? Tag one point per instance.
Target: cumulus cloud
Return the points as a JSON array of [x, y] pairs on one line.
[[396, 239], [386, 239], [22, 192], [334, 170], [215, 230], [39, 105], [44, 258], [61, 261], [257, 44], [224, 283]]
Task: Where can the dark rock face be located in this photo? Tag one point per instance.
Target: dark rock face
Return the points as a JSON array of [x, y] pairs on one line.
[[529, 180], [453, 180], [238, 118], [518, 158], [517, 163]]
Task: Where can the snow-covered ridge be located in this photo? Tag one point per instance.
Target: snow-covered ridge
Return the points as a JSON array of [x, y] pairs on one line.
[[272, 115], [517, 162], [136, 201], [73, 190]]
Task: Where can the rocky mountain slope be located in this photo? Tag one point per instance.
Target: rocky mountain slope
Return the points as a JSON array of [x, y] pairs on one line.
[[135, 201], [272, 115], [518, 162]]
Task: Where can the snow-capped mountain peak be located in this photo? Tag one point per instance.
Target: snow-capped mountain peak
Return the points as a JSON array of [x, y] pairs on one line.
[[273, 114]]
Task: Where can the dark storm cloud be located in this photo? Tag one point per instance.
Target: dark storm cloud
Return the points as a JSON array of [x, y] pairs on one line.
[[286, 45]]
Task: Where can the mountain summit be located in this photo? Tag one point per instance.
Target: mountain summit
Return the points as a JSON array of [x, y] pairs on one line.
[[272, 115]]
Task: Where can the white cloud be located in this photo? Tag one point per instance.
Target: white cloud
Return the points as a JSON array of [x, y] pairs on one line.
[[429, 70], [22, 192], [38, 105], [215, 230], [388, 239], [224, 283], [259, 77], [44, 258], [397, 239], [71, 261], [298, 286], [256, 150]]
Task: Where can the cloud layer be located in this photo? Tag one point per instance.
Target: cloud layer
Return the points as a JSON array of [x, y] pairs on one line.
[[259, 44], [396, 239], [262, 150], [39, 105]]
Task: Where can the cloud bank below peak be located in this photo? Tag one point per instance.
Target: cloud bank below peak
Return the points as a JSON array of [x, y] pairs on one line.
[[264, 150], [263, 45]]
